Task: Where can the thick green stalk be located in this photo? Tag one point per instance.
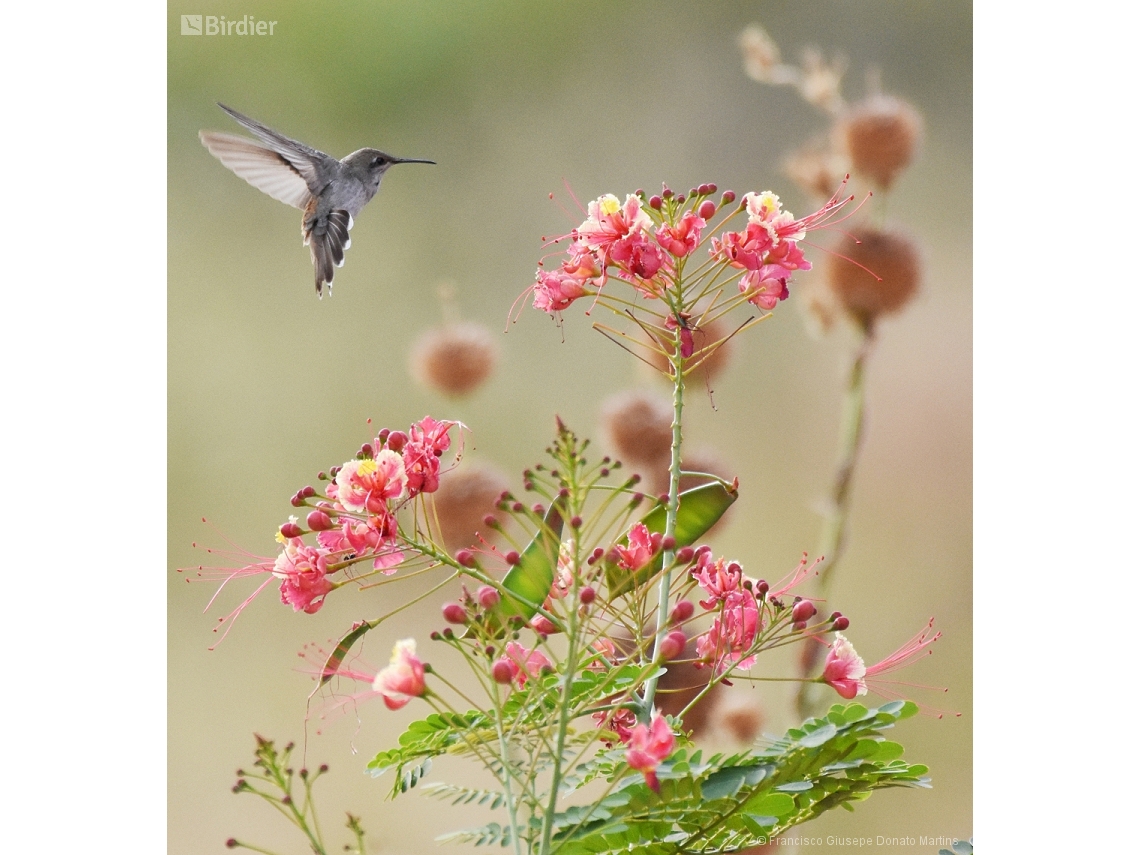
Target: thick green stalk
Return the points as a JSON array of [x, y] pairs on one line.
[[677, 362], [835, 530]]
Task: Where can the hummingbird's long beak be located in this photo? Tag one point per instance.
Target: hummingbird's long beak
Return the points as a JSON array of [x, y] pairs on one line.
[[411, 160]]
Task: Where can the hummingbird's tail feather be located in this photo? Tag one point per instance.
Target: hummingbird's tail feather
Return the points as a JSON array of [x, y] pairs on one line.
[[327, 239]]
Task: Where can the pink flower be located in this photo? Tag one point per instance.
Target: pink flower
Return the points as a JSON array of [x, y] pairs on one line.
[[717, 578], [728, 640], [641, 549], [682, 238], [427, 443], [608, 221], [376, 535], [619, 722], [403, 678], [845, 672], [367, 485], [524, 663], [555, 290], [302, 571], [648, 745], [640, 258], [768, 246]]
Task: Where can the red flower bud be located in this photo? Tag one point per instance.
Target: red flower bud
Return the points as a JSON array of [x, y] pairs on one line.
[[707, 210], [512, 558], [488, 597], [841, 623], [501, 672], [397, 439], [465, 557], [655, 203], [802, 610], [682, 612], [672, 645], [319, 521], [727, 198], [586, 595], [685, 554], [669, 542], [291, 529], [454, 613]]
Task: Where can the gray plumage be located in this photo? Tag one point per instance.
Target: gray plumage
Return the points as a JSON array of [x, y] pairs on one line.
[[331, 192]]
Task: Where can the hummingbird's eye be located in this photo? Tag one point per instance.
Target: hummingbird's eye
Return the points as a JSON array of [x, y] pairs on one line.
[[379, 160]]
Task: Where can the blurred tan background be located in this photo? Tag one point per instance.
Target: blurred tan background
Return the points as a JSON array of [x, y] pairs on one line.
[[267, 385]]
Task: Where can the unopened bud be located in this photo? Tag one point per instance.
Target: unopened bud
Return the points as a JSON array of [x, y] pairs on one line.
[[397, 439], [727, 198], [575, 521], [488, 597], [291, 529], [672, 645], [707, 210], [542, 625], [682, 612], [365, 451], [685, 554], [454, 613], [448, 632], [841, 623], [465, 557], [512, 558], [799, 625], [297, 500], [231, 843], [760, 588], [655, 203], [802, 610], [319, 521], [586, 595], [669, 542], [501, 672]]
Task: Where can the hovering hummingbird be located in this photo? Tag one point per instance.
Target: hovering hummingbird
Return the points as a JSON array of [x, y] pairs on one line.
[[330, 192]]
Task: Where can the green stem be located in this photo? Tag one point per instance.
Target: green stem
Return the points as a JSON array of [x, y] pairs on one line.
[[835, 529], [676, 360]]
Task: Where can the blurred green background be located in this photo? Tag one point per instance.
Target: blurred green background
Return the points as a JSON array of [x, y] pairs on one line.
[[267, 385]]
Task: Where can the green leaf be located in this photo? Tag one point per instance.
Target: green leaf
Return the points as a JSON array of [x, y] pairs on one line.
[[819, 737], [774, 804], [698, 510], [532, 578], [332, 664]]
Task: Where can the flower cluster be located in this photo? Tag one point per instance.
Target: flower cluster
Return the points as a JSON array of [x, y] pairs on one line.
[[645, 243], [356, 522]]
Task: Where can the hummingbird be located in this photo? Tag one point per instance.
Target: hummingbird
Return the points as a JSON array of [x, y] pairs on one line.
[[331, 192]]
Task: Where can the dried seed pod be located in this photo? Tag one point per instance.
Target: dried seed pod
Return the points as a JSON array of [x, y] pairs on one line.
[[639, 426], [455, 358], [464, 498], [883, 278], [881, 134]]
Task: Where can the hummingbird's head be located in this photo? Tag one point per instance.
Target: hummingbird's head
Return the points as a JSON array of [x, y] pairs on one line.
[[371, 164]]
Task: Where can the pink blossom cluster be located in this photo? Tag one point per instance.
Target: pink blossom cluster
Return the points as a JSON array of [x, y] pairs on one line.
[[642, 243], [356, 521]]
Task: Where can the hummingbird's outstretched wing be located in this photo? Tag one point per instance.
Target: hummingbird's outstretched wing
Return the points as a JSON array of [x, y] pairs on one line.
[[284, 168], [327, 239], [263, 167]]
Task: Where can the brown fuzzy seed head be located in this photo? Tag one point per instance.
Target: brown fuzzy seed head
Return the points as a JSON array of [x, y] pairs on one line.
[[456, 358], [881, 134], [639, 426], [742, 715], [711, 362], [464, 498], [892, 257]]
